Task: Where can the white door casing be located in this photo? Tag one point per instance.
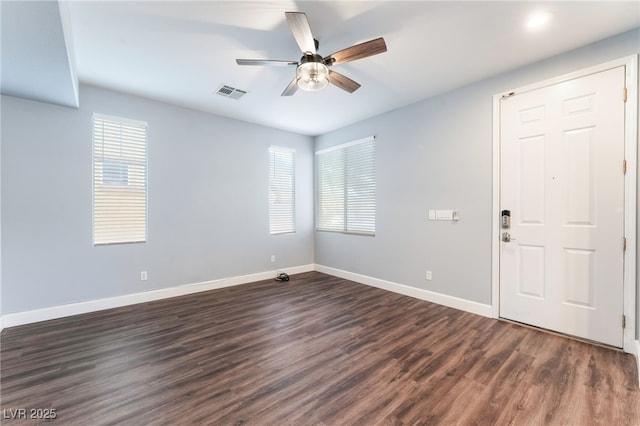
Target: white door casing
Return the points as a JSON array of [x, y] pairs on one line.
[[558, 166]]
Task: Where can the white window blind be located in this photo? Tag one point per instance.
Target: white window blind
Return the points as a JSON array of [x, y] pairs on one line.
[[119, 180], [281, 190], [346, 186]]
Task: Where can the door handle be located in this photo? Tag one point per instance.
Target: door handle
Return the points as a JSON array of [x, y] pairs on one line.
[[506, 237]]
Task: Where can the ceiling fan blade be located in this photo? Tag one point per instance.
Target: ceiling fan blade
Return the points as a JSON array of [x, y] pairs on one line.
[[265, 62], [291, 88], [359, 51], [301, 31], [343, 82]]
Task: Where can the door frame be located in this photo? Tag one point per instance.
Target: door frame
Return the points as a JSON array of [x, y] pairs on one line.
[[630, 188]]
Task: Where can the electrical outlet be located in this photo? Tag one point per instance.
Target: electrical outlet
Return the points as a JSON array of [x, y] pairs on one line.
[[143, 276], [428, 276], [273, 258]]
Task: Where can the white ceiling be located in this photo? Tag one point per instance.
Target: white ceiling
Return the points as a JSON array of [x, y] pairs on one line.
[[180, 52]]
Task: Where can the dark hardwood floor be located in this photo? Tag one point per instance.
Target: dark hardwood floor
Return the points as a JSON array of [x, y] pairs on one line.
[[316, 350]]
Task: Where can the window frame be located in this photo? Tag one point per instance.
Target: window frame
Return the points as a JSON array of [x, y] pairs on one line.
[[136, 180], [278, 225], [347, 224]]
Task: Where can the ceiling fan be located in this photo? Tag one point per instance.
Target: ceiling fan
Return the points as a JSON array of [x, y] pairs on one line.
[[312, 72]]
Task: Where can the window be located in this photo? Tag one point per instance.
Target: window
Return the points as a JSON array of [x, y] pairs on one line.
[[119, 180], [281, 190], [346, 186]]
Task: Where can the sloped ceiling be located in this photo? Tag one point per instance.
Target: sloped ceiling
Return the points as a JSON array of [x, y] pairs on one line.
[[180, 52], [37, 52]]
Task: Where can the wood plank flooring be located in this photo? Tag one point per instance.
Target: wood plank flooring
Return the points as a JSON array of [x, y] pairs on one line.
[[316, 350]]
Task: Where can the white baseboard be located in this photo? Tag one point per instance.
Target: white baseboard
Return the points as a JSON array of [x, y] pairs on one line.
[[28, 317], [429, 296]]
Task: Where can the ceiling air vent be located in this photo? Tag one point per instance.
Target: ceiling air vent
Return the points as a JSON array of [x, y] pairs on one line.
[[230, 92]]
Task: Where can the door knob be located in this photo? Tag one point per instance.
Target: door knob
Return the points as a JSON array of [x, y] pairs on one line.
[[506, 237]]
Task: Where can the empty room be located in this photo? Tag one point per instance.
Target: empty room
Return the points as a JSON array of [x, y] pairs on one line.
[[319, 212]]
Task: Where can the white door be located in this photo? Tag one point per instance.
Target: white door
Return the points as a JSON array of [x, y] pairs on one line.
[[562, 178]]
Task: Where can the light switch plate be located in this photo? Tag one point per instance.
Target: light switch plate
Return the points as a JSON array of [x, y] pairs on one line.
[[446, 215]]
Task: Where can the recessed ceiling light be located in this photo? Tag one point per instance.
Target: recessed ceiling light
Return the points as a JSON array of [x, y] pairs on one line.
[[538, 20]]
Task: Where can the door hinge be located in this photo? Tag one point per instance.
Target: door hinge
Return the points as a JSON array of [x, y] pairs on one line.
[[624, 321], [624, 243], [624, 166], [624, 95]]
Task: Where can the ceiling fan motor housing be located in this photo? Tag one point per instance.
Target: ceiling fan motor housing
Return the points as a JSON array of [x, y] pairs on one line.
[[311, 57]]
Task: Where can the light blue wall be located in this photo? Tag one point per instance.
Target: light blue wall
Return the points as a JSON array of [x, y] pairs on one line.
[[207, 202], [437, 154], [208, 194]]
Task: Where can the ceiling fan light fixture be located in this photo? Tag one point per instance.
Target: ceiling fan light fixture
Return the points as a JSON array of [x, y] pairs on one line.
[[312, 76]]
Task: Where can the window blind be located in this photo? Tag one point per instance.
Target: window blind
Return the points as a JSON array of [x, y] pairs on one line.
[[281, 190], [346, 188], [119, 180]]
